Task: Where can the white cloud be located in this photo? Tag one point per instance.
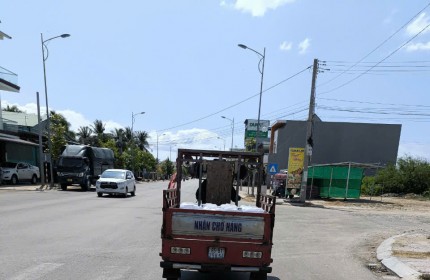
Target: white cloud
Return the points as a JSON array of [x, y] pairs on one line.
[[30, 108], [286, 46], [256, 8], [168, 142], [418, 47], [419, 150], [418, 24], [304, 45], [195, 138], [75, 119]]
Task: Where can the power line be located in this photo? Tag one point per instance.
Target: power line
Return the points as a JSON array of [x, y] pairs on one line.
[[380, 45], [374, 103], [378, 111], [238, 103], [388, 56]]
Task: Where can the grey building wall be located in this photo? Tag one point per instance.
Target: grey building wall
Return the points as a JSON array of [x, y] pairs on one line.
[[340, 142]]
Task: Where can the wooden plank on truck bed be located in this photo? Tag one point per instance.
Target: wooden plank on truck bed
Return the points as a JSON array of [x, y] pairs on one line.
[[219, 182]]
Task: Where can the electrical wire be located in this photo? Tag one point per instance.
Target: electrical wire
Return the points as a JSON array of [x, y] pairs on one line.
[[385, 58], [238, 103], [380, 45]]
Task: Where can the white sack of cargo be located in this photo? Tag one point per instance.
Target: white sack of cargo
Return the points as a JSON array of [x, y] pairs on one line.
[[251, 209], [190, 205], [222, 207]]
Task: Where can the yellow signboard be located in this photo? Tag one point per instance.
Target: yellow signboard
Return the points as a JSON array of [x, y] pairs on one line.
[[296, 158]]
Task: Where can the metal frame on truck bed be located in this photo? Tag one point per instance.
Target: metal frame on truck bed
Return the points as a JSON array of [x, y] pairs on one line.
[[213, 235]]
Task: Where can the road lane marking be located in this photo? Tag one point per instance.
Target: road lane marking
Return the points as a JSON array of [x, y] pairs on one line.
[[36, 272], [113, 273]]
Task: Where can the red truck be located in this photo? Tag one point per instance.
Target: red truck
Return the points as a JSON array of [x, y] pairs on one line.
[[217, 236]]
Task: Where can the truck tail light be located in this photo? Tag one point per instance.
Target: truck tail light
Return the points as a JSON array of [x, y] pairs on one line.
[[180, 250], [252, 254]]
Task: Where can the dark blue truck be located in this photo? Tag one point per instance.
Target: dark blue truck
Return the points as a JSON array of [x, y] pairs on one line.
[[82, 165]]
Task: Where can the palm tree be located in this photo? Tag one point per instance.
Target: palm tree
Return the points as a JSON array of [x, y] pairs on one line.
[[128, 135], [142, 140], [98, 127], [118, 136], [84, 134]]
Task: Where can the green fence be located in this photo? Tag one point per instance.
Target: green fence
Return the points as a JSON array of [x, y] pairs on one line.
[[332, 181]]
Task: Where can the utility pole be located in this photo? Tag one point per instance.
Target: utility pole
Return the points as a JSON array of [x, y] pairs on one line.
[[41, 157], [309, 140]]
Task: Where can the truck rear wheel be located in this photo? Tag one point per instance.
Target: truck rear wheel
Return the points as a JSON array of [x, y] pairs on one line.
[[171, 273], [64, 187], [86, 185], [258, 276]]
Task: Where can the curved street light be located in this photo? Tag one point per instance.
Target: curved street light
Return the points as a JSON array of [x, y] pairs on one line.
[[48, 123], [261, 70], [232, 130]]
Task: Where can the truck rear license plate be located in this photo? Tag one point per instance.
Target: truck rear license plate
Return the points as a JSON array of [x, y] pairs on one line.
[[69, 180], [216, 253]]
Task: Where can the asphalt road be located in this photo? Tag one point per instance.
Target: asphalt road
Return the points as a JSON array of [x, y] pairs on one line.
[[76, 235]]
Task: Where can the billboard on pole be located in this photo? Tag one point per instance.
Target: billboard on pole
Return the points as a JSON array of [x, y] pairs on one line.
[[296, 157], [251, 129]]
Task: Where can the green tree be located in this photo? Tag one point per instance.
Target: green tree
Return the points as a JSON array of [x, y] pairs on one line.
[[142, 139], [148, 161], [59, 119], [58, 131], [167, 167], [98, 127], [118, 136], [128, 135], [410, 175], [84, 135], [250, 144], [12, 108]]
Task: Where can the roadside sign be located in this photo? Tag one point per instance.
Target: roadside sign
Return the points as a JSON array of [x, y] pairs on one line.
[[273, 168]]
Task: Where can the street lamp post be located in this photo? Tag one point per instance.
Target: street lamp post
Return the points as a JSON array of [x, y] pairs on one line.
[[232, 130], [157, 144], [48, 123], [261, 62], [132, 135], [41, 168], [223, 140]]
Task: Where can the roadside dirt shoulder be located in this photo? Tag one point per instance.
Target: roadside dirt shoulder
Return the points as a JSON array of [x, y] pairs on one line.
[[384, 204], [413, 248]]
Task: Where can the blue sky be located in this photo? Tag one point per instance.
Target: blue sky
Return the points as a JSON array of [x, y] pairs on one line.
[[178, 61]]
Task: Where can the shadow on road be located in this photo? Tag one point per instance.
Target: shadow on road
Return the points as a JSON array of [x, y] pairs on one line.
[[194, 275]]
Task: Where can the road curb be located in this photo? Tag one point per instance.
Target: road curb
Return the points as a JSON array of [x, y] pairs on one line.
[[384, 254]]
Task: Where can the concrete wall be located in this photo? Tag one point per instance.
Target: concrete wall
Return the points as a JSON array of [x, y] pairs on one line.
[[340, 142]]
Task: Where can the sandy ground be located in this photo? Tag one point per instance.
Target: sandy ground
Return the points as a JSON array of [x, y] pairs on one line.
[[413, 249], [402, 205]]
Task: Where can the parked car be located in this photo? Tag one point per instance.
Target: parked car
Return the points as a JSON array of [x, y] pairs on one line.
[[21, 171], [116, 181]]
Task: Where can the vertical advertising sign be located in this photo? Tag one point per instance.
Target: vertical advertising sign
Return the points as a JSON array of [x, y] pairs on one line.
[[296, 158]]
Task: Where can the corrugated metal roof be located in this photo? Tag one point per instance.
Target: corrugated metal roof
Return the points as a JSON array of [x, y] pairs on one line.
[[19, 141]]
